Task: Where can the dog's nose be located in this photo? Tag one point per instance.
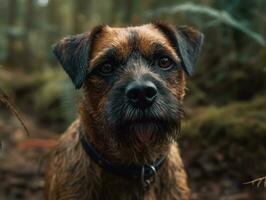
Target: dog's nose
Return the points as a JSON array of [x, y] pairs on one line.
[[141, 93]]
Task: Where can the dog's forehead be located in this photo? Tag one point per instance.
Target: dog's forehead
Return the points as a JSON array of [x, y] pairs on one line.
[[123, 39]]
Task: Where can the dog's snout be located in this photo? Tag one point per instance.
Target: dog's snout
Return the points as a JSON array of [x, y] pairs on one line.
[[141, 93]]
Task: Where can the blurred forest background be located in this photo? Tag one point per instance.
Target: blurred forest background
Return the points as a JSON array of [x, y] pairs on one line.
[[223, 139]]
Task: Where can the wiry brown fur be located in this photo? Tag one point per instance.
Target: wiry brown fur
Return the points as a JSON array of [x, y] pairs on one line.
[[71, 174]]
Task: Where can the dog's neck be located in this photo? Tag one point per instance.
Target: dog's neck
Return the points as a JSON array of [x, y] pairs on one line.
[[128, 169]]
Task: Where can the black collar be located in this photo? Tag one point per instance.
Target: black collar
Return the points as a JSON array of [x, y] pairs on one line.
[[144, 172]]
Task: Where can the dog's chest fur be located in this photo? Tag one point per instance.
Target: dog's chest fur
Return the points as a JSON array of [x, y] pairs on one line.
[[75, 176]]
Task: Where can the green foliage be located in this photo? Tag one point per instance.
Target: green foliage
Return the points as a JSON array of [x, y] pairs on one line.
[[219, 16], [58, 94], [49, 90]]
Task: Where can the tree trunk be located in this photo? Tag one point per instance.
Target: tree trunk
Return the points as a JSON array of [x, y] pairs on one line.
[[116, 8], [11, 39], [128, 11], [80, 14], [28, 60]]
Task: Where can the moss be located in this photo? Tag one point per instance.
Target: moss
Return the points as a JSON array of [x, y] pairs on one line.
[[241, 122]]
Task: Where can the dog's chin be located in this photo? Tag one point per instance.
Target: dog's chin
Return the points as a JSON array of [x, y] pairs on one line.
[[145, 132]]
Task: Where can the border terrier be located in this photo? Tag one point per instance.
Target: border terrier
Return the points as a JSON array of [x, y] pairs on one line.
[[124, 143]]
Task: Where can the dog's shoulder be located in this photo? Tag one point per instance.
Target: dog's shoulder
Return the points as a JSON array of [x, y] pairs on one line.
[[174, 154], [173, 176], [68, 146], [68, 164]]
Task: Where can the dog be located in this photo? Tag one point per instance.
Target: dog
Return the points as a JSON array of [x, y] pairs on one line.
[[124, 143]]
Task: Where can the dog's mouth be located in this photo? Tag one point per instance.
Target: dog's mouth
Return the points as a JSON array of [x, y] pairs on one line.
[[145, 130], [144, 137]]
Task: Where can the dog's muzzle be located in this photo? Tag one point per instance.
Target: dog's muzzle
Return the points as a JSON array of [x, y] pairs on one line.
[[144, 108]]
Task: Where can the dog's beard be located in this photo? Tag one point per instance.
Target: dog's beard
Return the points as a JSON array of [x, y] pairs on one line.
[[135, 127]]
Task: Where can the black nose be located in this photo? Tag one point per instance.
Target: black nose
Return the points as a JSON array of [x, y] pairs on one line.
[[141, 93]]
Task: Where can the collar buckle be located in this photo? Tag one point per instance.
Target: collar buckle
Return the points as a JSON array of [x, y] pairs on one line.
[[146, 181]]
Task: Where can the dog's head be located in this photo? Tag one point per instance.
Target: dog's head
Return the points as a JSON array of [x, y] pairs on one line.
[[133, 78]]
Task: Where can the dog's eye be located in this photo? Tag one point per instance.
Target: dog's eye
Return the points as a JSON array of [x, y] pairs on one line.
[[106, 69], [165, 62]]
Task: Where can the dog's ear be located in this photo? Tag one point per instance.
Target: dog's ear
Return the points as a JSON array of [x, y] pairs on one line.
[[190, 42], [73, 54], [187, 41]]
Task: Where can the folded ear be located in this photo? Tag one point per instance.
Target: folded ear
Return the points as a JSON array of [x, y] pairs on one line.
[[187, 42], [190, 42], [73, 53]]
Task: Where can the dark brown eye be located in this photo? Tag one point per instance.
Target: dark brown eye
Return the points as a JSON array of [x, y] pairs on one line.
[[165, 62], [106, 69]]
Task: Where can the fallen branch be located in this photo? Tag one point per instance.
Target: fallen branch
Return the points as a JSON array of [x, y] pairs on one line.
[[258, 182], [5, 100]]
